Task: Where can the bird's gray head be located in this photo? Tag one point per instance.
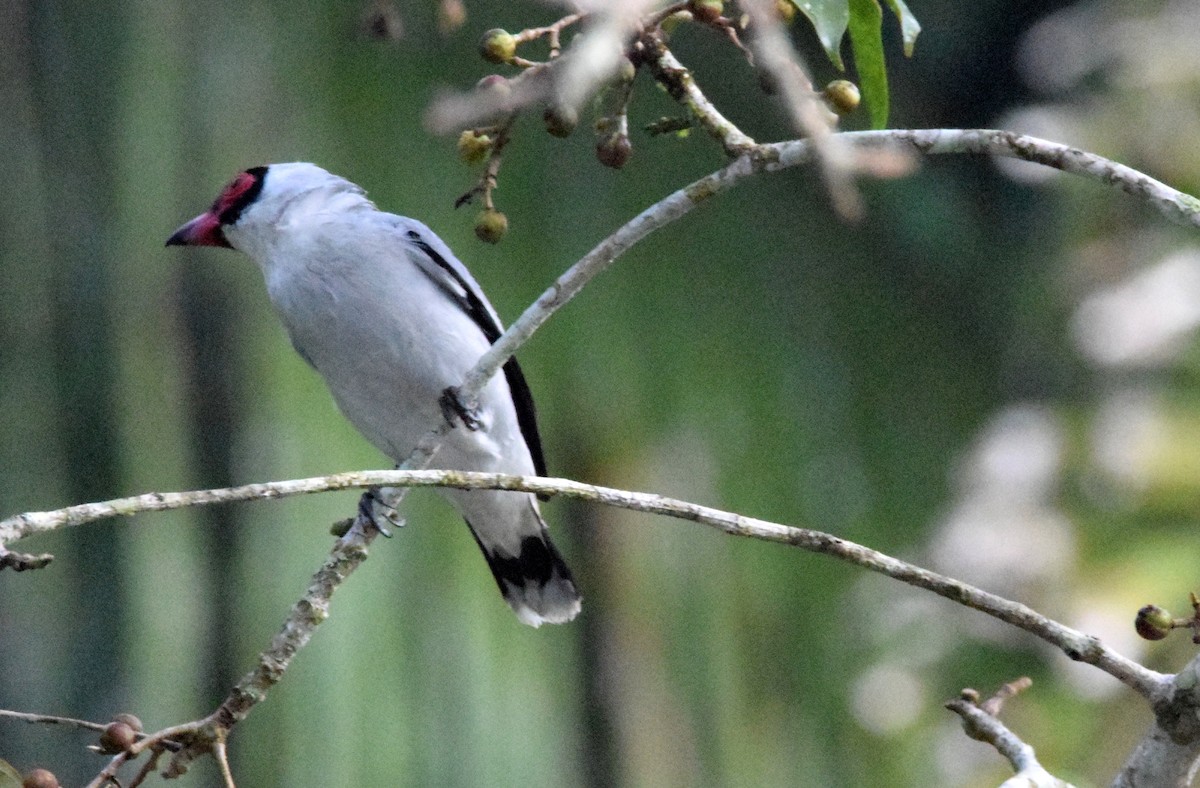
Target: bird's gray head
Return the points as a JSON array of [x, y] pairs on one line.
[[261, 200]]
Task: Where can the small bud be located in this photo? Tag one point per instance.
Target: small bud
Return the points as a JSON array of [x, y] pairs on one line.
[[842, 95], [491, 225], [473, 147], [130, 720], [707, 11], [117, 737], [560, 119], [785, 10], [498, 46], [614, 150], [1153, 623], [39, 778]]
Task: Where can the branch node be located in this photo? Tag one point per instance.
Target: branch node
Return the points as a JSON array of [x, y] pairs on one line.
[[20, 562]]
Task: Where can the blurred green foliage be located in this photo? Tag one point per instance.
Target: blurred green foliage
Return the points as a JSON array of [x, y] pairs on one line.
[[759, 355]]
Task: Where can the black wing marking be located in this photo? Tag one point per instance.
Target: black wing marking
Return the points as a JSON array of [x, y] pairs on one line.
[[474, 306]]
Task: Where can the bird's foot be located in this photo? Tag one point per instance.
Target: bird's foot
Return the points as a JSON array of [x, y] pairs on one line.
[[454, 409], [376, 511]]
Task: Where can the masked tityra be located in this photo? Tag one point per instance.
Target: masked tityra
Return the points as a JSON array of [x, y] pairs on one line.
[[382, 308]]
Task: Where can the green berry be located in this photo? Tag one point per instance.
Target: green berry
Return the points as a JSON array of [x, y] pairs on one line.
[[491, 225], [842, 95], [498, 46]]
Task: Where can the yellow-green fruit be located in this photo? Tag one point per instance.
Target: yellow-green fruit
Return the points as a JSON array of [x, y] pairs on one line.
[[843, 96], [40, 778], [785, 10], [706, 10], [1153, 623], [498, 46], [473, 147], [491, 225]]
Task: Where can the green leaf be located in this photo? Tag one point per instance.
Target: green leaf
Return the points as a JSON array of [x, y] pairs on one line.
[[829, 18], [9, 777], [910, 28], [866, 40]]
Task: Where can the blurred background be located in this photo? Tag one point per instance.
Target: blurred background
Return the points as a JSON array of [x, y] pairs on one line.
[[993, 375]]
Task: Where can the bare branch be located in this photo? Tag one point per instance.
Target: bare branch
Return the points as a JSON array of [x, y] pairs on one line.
[[21, 562], [351, 551]]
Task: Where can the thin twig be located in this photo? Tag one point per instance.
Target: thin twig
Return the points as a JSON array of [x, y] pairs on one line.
[[49, 719], [552, 31], [223, 763], [489, 179], [981, 724]]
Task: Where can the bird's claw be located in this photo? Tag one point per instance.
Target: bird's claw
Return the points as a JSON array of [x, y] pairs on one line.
[[376, 511], [454, 409]]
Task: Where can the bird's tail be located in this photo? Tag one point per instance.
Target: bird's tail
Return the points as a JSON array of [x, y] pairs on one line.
[[536, 582]]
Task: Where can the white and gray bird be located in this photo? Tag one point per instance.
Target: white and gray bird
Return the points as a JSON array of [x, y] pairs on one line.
[[391, 319]]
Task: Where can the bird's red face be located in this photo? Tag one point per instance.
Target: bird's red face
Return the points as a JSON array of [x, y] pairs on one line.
[[207, 229]]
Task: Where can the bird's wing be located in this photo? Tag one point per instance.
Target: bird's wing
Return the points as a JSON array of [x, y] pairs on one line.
[[437, 262]]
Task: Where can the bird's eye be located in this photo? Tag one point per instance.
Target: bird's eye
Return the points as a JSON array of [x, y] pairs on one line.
[[241, 191]]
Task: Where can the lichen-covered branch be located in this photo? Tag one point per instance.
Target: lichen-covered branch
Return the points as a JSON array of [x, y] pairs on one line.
[[682, 87]]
